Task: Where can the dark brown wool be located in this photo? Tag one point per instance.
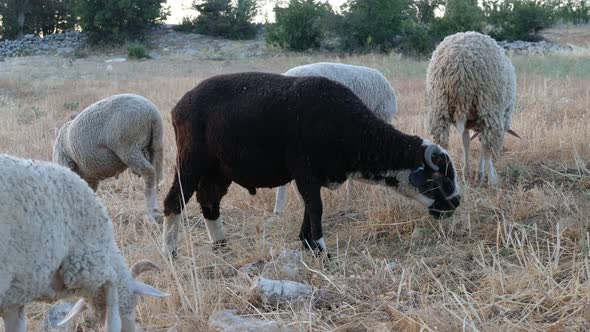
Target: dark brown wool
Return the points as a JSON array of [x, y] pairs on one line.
[[264, 130]]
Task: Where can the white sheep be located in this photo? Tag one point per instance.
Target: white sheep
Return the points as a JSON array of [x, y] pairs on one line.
[[471, 84], [367, 83], [119, 132], [57, 241]]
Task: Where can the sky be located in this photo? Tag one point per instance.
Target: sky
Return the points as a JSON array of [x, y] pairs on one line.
[[181, 8]]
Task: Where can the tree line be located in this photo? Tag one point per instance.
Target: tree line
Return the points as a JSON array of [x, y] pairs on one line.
[[409, 26]]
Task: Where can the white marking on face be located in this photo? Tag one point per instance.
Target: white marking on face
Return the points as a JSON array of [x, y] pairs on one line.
[[424, 200], [215, 230]]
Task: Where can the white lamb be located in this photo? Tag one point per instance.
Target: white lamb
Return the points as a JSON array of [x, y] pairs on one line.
[[471, 84], [367, 83], [119, 132], [57, 241]]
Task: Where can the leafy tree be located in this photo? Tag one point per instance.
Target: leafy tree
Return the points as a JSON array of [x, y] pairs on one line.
[[572, 11], [518, 19], [13, 14], [113, 21], [459, 16], [299, 26], [226, 19], [370, 24], [20, 17]]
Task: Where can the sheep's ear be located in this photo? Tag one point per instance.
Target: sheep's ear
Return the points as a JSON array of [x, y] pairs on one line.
[[139, 288], [513, 133], [78, 308], [418, 177]]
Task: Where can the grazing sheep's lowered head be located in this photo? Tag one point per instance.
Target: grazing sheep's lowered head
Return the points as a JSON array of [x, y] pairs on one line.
[[433, 182], [128, 290]]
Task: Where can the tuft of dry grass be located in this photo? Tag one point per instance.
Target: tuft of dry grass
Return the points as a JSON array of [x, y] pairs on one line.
[[514, 257]]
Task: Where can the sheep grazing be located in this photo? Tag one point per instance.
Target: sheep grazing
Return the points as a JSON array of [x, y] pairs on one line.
[[57, 241], [264, 130], [471, 84], [367, 83], [119, 132]]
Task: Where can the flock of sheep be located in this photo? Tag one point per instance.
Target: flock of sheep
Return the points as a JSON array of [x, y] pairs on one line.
[[318, 124]]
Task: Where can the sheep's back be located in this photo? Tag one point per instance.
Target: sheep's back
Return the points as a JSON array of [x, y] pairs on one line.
[[367, 83], [470, 73]]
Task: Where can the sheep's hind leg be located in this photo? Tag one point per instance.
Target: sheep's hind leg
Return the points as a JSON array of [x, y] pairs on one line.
[[281, 199], [466, 142], [15, 319], [140, 165], [492, 175], [481, 171]]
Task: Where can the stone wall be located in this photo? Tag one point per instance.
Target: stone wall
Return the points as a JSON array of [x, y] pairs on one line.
[[61, 44]]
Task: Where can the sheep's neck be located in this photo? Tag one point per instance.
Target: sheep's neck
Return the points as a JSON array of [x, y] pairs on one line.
[[387, 149]]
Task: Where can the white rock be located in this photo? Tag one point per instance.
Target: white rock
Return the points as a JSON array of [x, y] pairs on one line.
[[116, 60], [287, 265], [276, 292], [229, 321]]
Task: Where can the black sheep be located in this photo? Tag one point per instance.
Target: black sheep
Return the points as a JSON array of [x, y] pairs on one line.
[[264, 130]]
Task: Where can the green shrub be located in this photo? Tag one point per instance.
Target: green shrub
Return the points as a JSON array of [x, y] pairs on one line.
[[114, 21], [299, 26], [224, 18], [417, 39], [518, 19], [459, 16], [137, 51], [187, 24], [375, 24]]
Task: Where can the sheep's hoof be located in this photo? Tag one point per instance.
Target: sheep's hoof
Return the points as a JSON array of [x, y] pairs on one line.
[[218, 245], [315, 248], [157, 215]]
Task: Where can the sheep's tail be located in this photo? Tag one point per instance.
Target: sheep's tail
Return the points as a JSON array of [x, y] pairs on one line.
[[157, 149]]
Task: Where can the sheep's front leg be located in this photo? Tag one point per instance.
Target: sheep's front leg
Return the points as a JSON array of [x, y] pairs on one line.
[[113, 316], [311, 229], [211, 190], [181, 191], [15, 319]]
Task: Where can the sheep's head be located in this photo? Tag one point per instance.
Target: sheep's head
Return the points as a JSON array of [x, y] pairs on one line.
[[435, 182], [124, 294]]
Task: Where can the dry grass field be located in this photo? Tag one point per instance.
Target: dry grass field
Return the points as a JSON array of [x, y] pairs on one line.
[[512, 258]]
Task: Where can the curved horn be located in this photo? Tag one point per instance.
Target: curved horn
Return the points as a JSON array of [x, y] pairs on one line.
[[74, 311], [430, 150], [143, 266]]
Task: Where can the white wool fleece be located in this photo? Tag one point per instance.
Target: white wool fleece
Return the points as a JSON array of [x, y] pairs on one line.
[[470, 79], [56, 239], [367, 83], [119, 132]]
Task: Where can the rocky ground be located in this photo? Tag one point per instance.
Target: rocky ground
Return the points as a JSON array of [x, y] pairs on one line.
[[165, 40]]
